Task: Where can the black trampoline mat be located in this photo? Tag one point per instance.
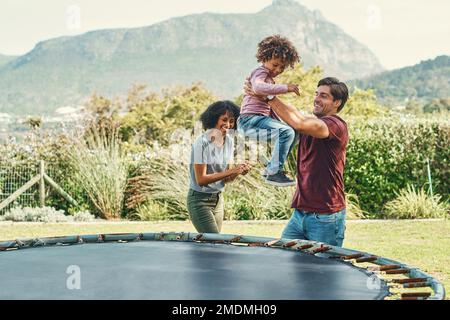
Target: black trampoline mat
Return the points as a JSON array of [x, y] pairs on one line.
[[179, 270]]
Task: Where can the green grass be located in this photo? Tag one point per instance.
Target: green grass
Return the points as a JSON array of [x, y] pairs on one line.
[[423, 244]]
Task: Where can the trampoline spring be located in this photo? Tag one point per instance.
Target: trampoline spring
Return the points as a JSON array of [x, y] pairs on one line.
[[388, 267], [397, 271], [416, 285], [255, 244], [384, 267], [19, 243], [416, 295], [39, 243], [236, 239], [271, 243], [409, 280], [289, 244], [321, 249], [352, 256], [198, 237], [414, 298], [304, 247], [180, 236], [367, 259]]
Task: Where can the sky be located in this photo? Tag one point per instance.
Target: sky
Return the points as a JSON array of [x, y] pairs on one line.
[[399, 32]]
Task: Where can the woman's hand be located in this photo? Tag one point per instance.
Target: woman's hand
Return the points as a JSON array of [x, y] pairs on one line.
[[240, 169]]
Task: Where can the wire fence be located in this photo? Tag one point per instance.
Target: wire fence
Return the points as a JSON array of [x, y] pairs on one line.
[[11, 179], [14, 176]]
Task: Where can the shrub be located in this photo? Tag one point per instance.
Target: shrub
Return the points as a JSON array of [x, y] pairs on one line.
[[100, 167], [353, 208], [82, 216], [44, 214], [387, 154], [161, 185], [152, 117], [251, 198], [151, 211], [412, 204]]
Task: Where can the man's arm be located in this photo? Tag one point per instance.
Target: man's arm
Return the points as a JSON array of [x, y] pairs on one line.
[[306, 125]]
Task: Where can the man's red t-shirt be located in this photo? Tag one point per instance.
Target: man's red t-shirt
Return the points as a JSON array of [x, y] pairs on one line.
[[320, 169]]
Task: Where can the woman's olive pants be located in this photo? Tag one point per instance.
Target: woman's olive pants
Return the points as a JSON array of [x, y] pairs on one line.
[[205, 210]]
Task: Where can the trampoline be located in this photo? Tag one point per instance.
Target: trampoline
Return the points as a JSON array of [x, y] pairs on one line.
[[193, 266]]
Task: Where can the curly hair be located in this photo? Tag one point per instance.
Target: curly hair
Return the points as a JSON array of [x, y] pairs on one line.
[[277, 47], [212, 114]]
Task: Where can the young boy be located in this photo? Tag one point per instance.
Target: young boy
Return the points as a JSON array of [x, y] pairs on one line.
[[257, 119]]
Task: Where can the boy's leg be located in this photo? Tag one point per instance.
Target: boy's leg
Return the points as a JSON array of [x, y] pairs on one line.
[[283, 138], [281, 134], [251, 127]]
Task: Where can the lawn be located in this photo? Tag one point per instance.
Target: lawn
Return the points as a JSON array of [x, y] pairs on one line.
[[424, 244]]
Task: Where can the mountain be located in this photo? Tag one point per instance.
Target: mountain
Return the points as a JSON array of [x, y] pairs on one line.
[[424, 81], [217, 49], [5, 59]]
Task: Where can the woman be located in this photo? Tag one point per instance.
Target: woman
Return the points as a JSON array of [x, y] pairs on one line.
[[211, 155]]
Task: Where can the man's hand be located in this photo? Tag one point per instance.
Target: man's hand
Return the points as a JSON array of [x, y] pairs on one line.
[[248, 90], [293, 88]]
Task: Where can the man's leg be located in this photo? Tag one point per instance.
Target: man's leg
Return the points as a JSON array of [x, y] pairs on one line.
[[294, 227], [340, 225], [326, 228]]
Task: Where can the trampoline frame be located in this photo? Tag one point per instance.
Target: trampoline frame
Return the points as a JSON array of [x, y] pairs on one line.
[[413, 278]]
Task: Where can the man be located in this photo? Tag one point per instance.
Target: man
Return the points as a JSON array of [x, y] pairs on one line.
[[319, 200]]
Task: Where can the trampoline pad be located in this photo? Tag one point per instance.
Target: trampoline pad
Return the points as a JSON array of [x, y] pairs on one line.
[[178, 270]]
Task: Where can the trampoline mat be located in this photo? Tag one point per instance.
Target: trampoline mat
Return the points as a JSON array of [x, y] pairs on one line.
[[178, 270]]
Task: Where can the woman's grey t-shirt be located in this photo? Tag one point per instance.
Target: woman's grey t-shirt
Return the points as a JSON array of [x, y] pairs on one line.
[[216, 158]]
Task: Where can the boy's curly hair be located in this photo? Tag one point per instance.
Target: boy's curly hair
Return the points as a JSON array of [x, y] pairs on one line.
[[277, 47]]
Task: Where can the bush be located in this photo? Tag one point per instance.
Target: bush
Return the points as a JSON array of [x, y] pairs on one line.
[[353, 207], [387, 154], [412, 204], [44, 214], [154, 118], [82, 216], [160, 185], [152, 211], [100, 167]]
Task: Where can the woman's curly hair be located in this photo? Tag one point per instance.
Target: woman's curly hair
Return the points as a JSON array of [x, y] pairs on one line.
[[212, 114], [277, 47]]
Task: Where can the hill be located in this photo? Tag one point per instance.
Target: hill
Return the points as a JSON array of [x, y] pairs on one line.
[[217, 49], [424, 81]]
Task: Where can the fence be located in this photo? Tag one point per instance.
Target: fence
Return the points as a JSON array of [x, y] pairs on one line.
[[31, 185]]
